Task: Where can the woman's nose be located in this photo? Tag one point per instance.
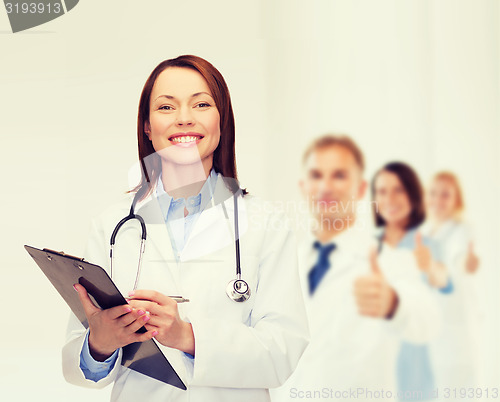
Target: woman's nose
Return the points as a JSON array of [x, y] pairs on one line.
[[184, 117]]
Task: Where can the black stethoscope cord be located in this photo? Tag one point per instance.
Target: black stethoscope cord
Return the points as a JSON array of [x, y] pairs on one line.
[[237, 238], [237, 289], [130, 216]]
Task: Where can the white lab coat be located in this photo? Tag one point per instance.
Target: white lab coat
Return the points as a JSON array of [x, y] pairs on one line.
[[242, 349], [455, 353], [349, 352]]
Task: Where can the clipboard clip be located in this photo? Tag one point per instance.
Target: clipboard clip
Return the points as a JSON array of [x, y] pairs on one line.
[[62, 254]]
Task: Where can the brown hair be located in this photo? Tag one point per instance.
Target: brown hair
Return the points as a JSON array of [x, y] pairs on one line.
[[224, 160], [411, 183], [329, 140], [453, 179]]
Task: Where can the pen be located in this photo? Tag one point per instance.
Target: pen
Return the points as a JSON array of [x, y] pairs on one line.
[[178, 299]]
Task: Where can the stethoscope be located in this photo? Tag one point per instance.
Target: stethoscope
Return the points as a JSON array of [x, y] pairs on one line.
[[237, 289]]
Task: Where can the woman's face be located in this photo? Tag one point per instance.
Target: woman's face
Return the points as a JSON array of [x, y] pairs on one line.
[[391, 199], [184, 123], [441, 200]]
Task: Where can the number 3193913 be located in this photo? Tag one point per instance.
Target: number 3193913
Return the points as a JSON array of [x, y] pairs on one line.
[[33, 8]]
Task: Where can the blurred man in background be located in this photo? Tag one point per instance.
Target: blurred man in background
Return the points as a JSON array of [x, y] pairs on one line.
[[360, 304]]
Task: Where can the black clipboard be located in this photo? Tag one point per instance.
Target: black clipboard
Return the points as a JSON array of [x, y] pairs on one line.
[[64, 270]]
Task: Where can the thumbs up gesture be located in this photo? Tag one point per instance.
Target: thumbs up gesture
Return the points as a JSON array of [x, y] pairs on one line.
[[471, 260], [422, 254], [374, 296]]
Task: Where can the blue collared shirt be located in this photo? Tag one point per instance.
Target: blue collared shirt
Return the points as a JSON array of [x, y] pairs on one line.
[[92, 369], [414, 370], [179, 228]]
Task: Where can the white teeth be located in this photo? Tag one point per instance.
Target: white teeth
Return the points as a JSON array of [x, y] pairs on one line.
[[186, 138]]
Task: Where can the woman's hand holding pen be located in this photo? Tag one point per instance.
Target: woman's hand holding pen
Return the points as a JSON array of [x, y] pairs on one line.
[[165, 319], [112, 328]]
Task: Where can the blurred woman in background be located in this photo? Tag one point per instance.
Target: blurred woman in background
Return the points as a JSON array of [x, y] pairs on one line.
[[399, 211], [454, 354]]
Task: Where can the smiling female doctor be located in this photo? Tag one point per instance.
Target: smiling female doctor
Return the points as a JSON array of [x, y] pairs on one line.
[[223, 350]]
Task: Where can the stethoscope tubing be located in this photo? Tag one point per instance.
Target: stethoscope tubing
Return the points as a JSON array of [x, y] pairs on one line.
[[234, 287], [237, 238]]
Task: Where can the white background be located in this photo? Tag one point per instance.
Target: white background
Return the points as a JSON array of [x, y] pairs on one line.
[[416, 81]]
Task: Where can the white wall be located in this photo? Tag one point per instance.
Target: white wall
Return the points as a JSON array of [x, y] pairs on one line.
[[416, 81]]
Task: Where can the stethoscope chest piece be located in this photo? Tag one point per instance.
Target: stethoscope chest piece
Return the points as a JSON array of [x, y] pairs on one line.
[[238, 290]]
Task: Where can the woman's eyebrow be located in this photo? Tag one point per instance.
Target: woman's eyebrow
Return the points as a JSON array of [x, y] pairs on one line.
[[192, 96]]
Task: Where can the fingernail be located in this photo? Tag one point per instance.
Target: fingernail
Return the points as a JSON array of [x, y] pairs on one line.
[[128, 309], [140, 312], [74, 287], [131, 293], [145, 318], [155, 333]]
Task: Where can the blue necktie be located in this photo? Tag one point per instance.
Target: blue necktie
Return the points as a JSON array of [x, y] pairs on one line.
[[319, 270]]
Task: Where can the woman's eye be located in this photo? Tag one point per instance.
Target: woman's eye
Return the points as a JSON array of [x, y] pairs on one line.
[[165, 107], [203, 104]]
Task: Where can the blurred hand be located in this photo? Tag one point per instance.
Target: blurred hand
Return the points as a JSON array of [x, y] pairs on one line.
[[172, 330], [471, 260], [422, 254], [438, 275], [112, 328], [374, 296]]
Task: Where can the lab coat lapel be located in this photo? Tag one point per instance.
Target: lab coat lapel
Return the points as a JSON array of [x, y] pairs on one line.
[[157, 233], [211, 232], [444, 231]]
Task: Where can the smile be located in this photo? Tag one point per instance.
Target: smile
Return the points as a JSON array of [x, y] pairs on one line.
[[185, 138]]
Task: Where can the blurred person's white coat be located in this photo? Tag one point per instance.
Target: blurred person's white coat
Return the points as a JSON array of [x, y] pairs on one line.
[[348, 352], [455, 353]]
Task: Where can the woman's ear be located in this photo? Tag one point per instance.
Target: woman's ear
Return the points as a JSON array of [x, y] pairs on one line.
[[147, 129]]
